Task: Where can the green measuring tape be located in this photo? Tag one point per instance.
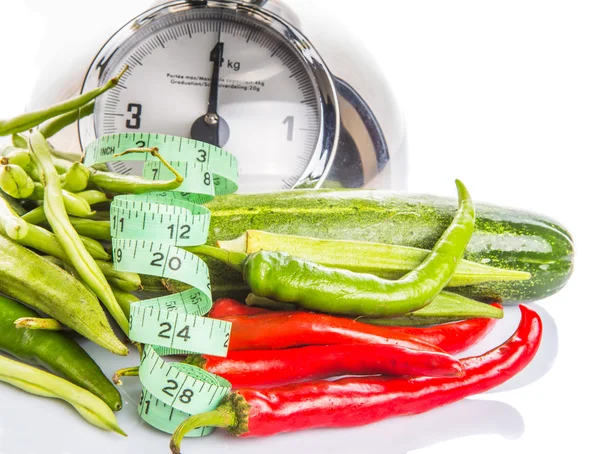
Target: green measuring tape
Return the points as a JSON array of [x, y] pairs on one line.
[[146, 231]]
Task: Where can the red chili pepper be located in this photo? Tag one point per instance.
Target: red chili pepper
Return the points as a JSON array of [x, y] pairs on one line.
[[224, 307], [261, 329], [261, 368], [355, 401]]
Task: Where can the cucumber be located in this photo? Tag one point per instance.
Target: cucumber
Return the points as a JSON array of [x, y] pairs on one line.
[[504, 237]]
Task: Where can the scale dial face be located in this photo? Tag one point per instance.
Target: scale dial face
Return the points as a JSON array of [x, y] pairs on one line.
[[269, 108]]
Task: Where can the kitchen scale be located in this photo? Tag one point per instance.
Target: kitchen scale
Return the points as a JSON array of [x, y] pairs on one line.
[[289, 93]]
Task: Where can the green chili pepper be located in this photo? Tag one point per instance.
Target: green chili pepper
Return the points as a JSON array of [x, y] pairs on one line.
[[53, 351], [41, 383], [56, 214], [15, 182], [282, 277], [30, 120]]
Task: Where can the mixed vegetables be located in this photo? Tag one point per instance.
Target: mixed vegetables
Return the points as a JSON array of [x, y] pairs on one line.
[[328, 330]]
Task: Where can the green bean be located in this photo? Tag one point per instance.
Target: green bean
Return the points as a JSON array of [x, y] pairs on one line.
[[14, 203], [16, 156], [95, 248], [123, 280], [75, 204], [29, 120], [99, 230], [101, 215], [21, 158], [59, 123], [131, 184], [65, 156], [76, 178], [61, 165], [38, 192], [67, 236], [35, 216], [94, 197], [44, 241], [15, 182], [42, 383], [129, 282], [125, 299], [10, 221], [19, 141]]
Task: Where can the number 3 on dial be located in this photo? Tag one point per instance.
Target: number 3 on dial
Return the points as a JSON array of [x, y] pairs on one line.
[[136, 116]]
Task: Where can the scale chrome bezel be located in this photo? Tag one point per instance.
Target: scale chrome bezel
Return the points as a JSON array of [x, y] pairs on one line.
[[323, 156]]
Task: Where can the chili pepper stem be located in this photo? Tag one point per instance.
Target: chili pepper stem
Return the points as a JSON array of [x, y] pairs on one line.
[[48, 324], [126, 372], [154, 152], [196, 360], [231, 414]]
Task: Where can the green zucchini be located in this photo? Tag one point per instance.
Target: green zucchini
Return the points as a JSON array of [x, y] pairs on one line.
[[504, 238]]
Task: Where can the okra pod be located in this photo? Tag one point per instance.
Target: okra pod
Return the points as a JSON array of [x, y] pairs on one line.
[[388, 261], [27, 277]]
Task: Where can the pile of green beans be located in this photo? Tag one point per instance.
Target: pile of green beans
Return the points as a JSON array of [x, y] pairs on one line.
[[55, 258]]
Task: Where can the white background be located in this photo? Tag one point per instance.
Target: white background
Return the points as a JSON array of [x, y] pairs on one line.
[[503, 95]]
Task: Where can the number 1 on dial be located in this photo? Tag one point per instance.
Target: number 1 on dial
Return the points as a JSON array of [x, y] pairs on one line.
[[289, 121]]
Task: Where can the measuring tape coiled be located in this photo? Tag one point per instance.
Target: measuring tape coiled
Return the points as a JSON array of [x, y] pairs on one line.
[[147, 231]]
